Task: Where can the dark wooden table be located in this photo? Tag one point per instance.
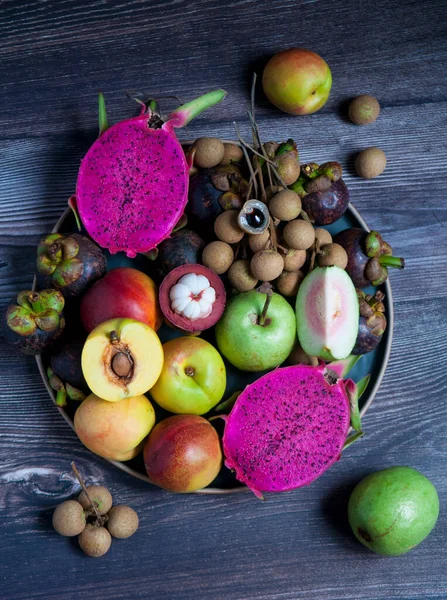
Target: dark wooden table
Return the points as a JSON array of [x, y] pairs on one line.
[[54, 57]]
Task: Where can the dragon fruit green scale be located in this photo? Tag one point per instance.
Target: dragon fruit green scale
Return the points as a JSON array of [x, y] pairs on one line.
[[132, 185]]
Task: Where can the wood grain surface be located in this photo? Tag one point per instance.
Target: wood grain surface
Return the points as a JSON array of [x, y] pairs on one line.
[[54, 57]]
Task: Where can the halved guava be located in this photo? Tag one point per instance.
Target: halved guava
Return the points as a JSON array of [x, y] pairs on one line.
[[327, 313]]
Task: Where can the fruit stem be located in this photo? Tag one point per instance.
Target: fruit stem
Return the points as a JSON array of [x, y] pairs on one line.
[[114, 337], [266, 289], [37, 302], [81, 481], [391, 261], [72, 205], [182, 115], [102, 114]]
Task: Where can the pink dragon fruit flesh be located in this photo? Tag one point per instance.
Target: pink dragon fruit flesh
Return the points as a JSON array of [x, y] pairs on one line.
[[132, 185], [288, 427]]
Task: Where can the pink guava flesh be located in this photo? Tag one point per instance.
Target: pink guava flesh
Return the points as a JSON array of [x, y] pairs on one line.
[[287, 428], [132, 186]]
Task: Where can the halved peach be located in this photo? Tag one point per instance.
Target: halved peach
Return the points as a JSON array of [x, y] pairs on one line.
[[121, 358]]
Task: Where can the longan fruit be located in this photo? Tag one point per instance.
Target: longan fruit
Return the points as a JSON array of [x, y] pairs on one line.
[[241, 277], [232, 154], [227, 228], [209, 152], [101, 497], [218, 256], [364, 110], [322, 236], [332, 255], [288, 282], [285, 205], [294, 259], [259, 241], [95, 541], [299, 357], [267, 265], [69, 518], [123, 521], [370, 163], [299, 234]]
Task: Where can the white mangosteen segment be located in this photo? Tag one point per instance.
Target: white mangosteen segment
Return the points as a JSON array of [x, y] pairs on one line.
[[327, 312], [192, 297]]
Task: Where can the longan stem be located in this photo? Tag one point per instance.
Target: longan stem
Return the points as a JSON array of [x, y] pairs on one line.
[[81, 481]]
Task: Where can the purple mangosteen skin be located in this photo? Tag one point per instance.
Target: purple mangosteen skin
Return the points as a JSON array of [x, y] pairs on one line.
[[353, 241], [184, 247], [324, 208], [203, 205], [366, 341]]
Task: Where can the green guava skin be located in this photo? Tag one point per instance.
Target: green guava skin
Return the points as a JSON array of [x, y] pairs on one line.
[[393, 510], [250, 346]]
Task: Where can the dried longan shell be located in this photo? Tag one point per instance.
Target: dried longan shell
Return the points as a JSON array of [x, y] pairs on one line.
[[101, 497], [226, 227], [232, 154], [370, 163], [288, 282], [322, 236], [332, 255], [123, 522], [299, 234], [364, 109], [285, 205], [267, 265], [69, 518], [294, 259], [218, 256], [95, 541], [259, 241], [209, 151], [241, 277]]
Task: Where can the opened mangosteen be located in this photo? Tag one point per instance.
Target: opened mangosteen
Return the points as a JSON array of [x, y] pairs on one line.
[[184, 247], [34, 320], [211, 191], [192, 298], [368, 256], [327, 205], [69, 263], [372, 321]]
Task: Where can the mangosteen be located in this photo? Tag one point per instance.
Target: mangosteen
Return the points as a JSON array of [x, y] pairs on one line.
[[34, 320], [326, 206], [65, 362], [192, 298], [184, 247], [372, 322], [69, 263], [368, 256]]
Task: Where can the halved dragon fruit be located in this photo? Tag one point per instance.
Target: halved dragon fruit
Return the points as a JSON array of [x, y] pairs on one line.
[[288, 427], [132, 185]]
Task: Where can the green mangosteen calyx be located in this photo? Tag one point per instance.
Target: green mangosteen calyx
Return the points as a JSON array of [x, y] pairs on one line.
[[381, 257], [35, 311], [58, 256]]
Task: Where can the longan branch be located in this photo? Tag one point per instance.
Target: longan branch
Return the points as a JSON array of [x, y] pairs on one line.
[[81, 481]]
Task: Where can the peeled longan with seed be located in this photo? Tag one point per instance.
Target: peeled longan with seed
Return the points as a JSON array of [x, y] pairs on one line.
[[123, 521], [259, 241], [285, 205], [99, 495], [294, 259], [364, 110], [209, 152], [288, 282], [226, 227], [322, 236], [218, 256], [267, 265], [69, 518], [95, 541], [332, 255], [370, 163], [299, 235], [241, 277]]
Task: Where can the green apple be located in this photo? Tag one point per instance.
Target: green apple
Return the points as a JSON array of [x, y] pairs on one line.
[[297, 81], [393, 510], [257, 331], [193, 378]]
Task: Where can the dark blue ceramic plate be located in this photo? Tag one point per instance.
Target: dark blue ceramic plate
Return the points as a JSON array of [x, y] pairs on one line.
[[373, 363]]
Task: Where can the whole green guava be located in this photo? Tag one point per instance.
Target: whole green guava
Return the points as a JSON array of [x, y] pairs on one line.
[[393, 510]]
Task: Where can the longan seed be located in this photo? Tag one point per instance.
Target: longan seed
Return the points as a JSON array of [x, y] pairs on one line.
[[209, 152], [69, 518], [267, 265], [364, 110], [289, 282], [99, 495], [95, 541], [323, 236], [299, 235], [241, 277], [285, 205], [259, 241], [294, 259], [218, 256], [332, 255], [123, 521], [226, 227], [370, 163]]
